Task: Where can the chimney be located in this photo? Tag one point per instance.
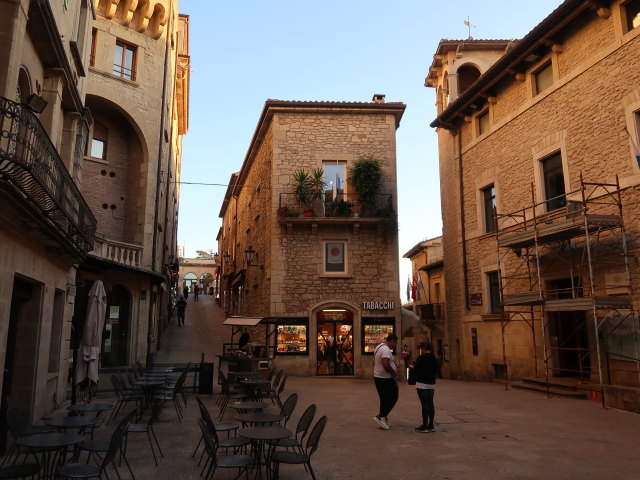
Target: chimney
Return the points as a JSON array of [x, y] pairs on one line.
[[378, 98]]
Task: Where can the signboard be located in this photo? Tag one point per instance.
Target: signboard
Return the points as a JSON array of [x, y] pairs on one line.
[[378, 305], [475, 299]]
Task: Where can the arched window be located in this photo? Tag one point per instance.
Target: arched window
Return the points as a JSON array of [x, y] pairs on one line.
[[467, 74], [24, 85], [190, 280]]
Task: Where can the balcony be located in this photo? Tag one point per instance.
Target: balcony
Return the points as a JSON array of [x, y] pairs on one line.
[[35, 181], [432, 312], [345, 210], [119, 252]]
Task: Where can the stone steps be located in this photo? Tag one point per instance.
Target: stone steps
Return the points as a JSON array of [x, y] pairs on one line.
[[555, 388]]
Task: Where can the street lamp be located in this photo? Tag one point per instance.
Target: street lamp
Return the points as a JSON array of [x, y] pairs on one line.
[[216, 257], [251, 254], [227, 258]]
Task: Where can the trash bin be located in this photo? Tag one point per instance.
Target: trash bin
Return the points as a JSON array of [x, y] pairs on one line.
[[205, 381]]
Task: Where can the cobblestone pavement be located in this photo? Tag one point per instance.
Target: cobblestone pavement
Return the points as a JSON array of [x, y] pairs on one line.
[[483, 430]]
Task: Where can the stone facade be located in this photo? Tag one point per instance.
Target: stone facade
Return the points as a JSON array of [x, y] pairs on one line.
[[47, 227], [583, 115], [138, 95], [287, 278]]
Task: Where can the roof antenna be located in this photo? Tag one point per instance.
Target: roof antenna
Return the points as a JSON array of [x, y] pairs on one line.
[[469, 25]]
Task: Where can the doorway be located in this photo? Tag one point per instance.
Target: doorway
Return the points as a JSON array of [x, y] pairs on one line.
[[115, 338], [21, 351], [335, 342], [569, 344]]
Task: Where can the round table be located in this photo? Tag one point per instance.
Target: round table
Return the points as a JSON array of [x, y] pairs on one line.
[[258, 417], [244, 407], [96, 408], [259, 437], [149, 387], [79, 422], [52, 447], [255, 384]]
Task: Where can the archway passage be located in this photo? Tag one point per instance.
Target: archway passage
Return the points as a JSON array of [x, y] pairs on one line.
[[190, 280], [115, 338], [335, 342]]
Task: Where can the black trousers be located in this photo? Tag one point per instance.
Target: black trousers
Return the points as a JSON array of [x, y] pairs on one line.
[[388, 392], [428, 409]]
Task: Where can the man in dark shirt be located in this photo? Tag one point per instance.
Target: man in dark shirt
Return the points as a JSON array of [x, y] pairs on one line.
[[425, 371], [182, 305]]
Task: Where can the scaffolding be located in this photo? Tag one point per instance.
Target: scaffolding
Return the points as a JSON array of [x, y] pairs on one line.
[[563, 265]]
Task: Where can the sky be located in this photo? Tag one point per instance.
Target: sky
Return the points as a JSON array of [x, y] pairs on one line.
[[244, 52]]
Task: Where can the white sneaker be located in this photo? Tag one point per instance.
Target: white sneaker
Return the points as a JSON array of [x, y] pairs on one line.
[[382, 423], [386, 419]]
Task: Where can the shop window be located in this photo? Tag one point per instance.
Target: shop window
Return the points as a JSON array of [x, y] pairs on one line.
[[493, 284], [292, 336], [632, 14], [543, 78], [553, 178], [375, 331], [488, 206], [334, 257], [483, 122], [124, 61]]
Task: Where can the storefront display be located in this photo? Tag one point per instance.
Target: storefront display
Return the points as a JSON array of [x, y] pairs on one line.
[[375, 331], [292, 338]]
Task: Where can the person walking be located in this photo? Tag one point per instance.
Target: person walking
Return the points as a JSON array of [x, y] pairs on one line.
[[384, 376], [425, 371], [185, 291], [182, 305], [196, 291]]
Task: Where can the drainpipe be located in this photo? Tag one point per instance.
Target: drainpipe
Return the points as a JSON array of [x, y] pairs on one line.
[[463, 230], [158, 182]]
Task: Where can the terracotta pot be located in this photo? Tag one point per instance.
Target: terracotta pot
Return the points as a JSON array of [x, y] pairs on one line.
[[308, 213]]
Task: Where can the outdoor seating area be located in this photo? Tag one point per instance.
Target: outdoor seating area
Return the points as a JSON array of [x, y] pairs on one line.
[[261, 440]]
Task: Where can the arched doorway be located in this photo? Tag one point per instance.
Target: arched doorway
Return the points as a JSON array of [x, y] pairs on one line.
[[189, 280], [335, 341], [115, 338]]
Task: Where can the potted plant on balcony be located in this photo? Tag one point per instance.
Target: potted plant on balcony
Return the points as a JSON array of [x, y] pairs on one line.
[[343, 208], [308, 187], [366, 177]]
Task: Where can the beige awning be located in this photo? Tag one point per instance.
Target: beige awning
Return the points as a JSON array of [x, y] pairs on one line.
[[243, 321]]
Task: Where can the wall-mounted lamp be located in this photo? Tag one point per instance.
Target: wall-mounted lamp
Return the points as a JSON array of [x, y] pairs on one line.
[[251, 254], [35, 103], [227, 258], [216, 257]]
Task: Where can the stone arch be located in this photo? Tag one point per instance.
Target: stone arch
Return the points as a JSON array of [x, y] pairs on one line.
[[467, 74], [190, 279], [158, 21]]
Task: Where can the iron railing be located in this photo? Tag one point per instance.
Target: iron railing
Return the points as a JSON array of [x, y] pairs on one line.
[[432, 311], [344, 205], [30, 164]]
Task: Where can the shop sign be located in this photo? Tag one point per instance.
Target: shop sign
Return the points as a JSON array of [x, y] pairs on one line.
[[475, 299], [378, 305]]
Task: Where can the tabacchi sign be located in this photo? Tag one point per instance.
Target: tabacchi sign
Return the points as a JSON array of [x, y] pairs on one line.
[[378, 305]]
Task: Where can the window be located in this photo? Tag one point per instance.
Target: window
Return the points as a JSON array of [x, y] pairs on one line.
[[553, 177], [493, 282], [543, 78], [632, 14], [92, 54], [334, 176], [474, 341], [124, 60], [334, 259], [98, 148], [292, 336], [489, 204], [483, 122]]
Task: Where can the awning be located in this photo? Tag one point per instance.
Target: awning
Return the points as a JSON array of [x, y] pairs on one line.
[[243, 321]]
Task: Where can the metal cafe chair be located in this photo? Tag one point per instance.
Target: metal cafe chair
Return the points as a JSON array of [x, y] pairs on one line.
[[295, 442], [242, 462], [299, 458], [288, 407], [87, 470], [219, 427], [148, 429], [18, 426]]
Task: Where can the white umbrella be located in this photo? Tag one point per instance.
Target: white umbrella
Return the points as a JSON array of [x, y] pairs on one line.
[[91, 343]]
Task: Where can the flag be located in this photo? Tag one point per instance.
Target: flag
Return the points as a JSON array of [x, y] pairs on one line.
[[466, 22], [408, 288], [634, 148], [419, 286], [414, 286]]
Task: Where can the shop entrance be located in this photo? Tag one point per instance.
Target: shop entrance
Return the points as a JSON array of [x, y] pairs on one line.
[[335, 342]]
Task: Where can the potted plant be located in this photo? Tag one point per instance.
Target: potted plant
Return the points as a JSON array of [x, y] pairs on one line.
[[343, 208], [366, 177], [308, 187]]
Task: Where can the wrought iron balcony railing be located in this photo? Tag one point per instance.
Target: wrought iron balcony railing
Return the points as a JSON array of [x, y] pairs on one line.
[[432, 311], [344, 205], [31, 166]]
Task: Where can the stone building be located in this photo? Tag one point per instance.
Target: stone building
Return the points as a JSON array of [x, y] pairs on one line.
[[329, 279], [198, 271], [47, 228], [427, 292], [138, 94], [539, 195]]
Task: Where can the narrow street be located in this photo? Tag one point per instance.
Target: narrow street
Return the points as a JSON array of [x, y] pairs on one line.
[[483, 430]]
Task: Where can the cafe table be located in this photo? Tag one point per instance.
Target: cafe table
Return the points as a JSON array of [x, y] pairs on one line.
[[52, 448], [259, 436], [96, 408], [148, 386], [254, 418], [244, 407], [255, 384], [76, 422]]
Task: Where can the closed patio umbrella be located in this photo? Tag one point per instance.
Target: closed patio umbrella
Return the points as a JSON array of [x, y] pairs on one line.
[[91, 342]]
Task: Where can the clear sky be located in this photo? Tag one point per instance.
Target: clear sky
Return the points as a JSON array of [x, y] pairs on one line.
[[244, 52]]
